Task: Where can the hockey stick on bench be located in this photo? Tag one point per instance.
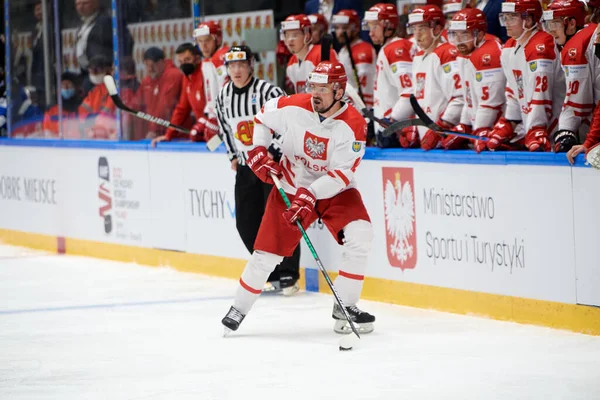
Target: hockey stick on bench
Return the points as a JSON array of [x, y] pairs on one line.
[[109, 82], [316, 257], [428, 122]]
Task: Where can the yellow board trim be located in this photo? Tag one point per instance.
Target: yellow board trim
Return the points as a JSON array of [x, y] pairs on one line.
[[573, 317]]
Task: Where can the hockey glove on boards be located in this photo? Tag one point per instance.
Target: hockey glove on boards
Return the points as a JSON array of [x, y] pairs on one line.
[[451, 142], [503, 132], [262, 165], [211, 129], [564, 140], [302, 207], [197, 131], [537, 139]]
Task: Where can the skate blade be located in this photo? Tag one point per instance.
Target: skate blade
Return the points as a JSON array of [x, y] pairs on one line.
[[226, 332], [291, 290], [271, 288], [343, 327]]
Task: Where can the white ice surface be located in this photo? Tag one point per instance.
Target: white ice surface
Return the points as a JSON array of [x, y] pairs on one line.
[[80, 328]]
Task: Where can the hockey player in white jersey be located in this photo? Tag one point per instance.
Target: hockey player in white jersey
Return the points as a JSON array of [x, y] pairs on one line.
[[436, 78], [296, 32], [565, 20], [209, 37], [346, 24], [323, 144], [535, 82], [481, 75], [394, 70]]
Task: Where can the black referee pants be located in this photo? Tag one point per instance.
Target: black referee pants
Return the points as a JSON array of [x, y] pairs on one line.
[[250, 199]]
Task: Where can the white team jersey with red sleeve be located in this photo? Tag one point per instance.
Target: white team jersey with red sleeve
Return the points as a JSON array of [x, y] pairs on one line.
[[582, 75], [215, 77], [320, 155], [535, 82], [394, 76], [483, 83], [437, 84], [296, 73], [364, 58]]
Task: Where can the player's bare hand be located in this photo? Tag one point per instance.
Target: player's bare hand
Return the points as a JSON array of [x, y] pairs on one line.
[[234, 164], [575, 150], [158, 140], [151, 135]]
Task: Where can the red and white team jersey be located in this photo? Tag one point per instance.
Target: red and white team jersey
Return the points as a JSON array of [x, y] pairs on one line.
[[394, 76], [535, 82], [322, 156], [483, 83], [582, 75], [437, 86], [296, 73], [215, 77], [364, 58]]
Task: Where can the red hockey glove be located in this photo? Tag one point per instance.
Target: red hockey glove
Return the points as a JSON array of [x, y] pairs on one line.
[[480, 145], [430, 140], [409, 137], [302, 207], [197, 131], [211, 129], [537, 139], [451, 142], [262, 165], [502, 133]]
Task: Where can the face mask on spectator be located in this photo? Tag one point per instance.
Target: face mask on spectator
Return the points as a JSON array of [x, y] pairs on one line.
[[67, 93], [187, 68], [96, 79]]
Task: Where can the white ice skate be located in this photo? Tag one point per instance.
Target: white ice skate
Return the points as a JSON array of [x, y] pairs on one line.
[[362, 320]]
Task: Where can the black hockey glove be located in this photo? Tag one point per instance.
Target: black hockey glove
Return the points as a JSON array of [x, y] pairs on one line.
[[564, 140]]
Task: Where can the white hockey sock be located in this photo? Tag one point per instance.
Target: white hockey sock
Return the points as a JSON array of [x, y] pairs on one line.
[[358, 236], [256, 273]]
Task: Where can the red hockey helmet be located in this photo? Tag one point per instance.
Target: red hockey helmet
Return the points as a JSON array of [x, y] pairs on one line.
[[430, 14], [559, 9], [208, 28], [452, 6], [523, 7], [346, 17], [298, 21], [329, 72], [319, 19], [384, 12], [468, 19]]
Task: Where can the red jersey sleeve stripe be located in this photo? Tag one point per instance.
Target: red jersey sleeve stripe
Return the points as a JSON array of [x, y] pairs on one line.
[[541, 102], [342, 176], [248, 288], [351, 276], [355, 165], [579, 105]]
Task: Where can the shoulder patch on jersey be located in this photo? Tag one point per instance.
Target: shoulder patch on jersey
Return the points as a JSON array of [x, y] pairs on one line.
[[447, 53], [398, 50], [575, 50], [218, 59], [363, 53], [487, 56], [541, 46], [356, 146], [303, 100]]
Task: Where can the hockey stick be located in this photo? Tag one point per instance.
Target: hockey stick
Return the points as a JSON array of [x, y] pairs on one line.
[[428, 122], [111, 87], [326, 42], [316, 257], [360, 105]]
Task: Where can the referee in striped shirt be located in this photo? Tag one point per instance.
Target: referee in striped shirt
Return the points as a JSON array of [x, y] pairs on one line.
[[237, 104]]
